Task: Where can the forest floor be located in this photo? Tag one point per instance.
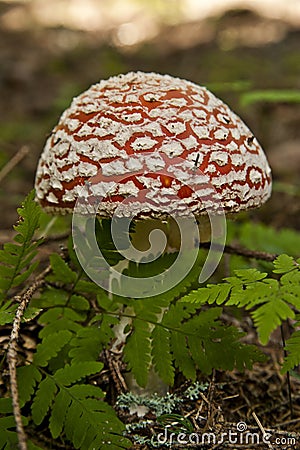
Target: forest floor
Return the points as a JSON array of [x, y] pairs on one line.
[[41, 69]]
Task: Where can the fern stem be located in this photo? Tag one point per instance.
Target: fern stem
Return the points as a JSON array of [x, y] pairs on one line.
[[288, 378], [160, 324], [72, 290], [12, 355]]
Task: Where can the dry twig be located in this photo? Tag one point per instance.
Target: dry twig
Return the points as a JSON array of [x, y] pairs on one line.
[[241, 251], [24, 150], [263, 431], [12, 353], [115, 372]]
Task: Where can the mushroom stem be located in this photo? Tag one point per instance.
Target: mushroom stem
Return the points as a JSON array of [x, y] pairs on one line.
[[172, 232]]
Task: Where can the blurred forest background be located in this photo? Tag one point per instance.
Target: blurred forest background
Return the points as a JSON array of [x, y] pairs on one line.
[[245, 51]]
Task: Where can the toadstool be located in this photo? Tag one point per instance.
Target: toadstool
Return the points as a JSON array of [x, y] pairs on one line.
[[108, 127], [142, 133]]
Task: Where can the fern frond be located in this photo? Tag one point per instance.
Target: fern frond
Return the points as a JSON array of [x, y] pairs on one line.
[[7, 312], [181, 354], [59, 411], [137, 351], [86, 420], [283, 264], [50, 346], [149, 309], [293, 349], [268, 299], [247, 276], [28, 377], [54, 320], [161, 265], [75, 372], [43, 399], [16, 258], [161, 353], [269, 316], [88, 343], [8, 438], [61, 270], [172, 321]]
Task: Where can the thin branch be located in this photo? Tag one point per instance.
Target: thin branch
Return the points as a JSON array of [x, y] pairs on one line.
[[24, 150], [260, 426], [288, 379], [241, 251], [12, 353]]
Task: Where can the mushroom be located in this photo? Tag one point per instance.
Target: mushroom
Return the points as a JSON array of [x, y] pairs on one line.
[[108, 128], [145, 144]]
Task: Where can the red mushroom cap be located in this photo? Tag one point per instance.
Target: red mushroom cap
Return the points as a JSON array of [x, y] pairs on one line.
[[164, 122]]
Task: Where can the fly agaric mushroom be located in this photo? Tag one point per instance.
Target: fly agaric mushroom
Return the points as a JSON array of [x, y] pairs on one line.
[[109, 125]]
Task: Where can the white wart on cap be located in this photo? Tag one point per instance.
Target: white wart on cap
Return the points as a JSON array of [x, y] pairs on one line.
[[107, 131]]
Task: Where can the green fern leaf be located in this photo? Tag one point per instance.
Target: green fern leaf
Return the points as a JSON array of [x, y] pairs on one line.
[[50, 297], [71, 374], [181, 355], [80, 414], [105, 302], [29, 213], [269, 316], [19, 279], [198, 331], [137, 351], [8, 258], [50, 346], [213, 293], [87, 287], [7, 313], [161, 353], [6, 405], [102, 426], [55, 321], [172, 320], [43, 400], [219, 293], [87, 344], [28, 377], [75, 434], [59, 314], [177, 313], [201, 359], [283, 264], [292, 277], [8, 438], [198, 297], [290, 288], [149, 309], [189, 282], [270, 299], [293, 348], [78, 302], [225, 351], [61, 270], [16, 258], [247, 276], [81, 391], [59, 410]]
